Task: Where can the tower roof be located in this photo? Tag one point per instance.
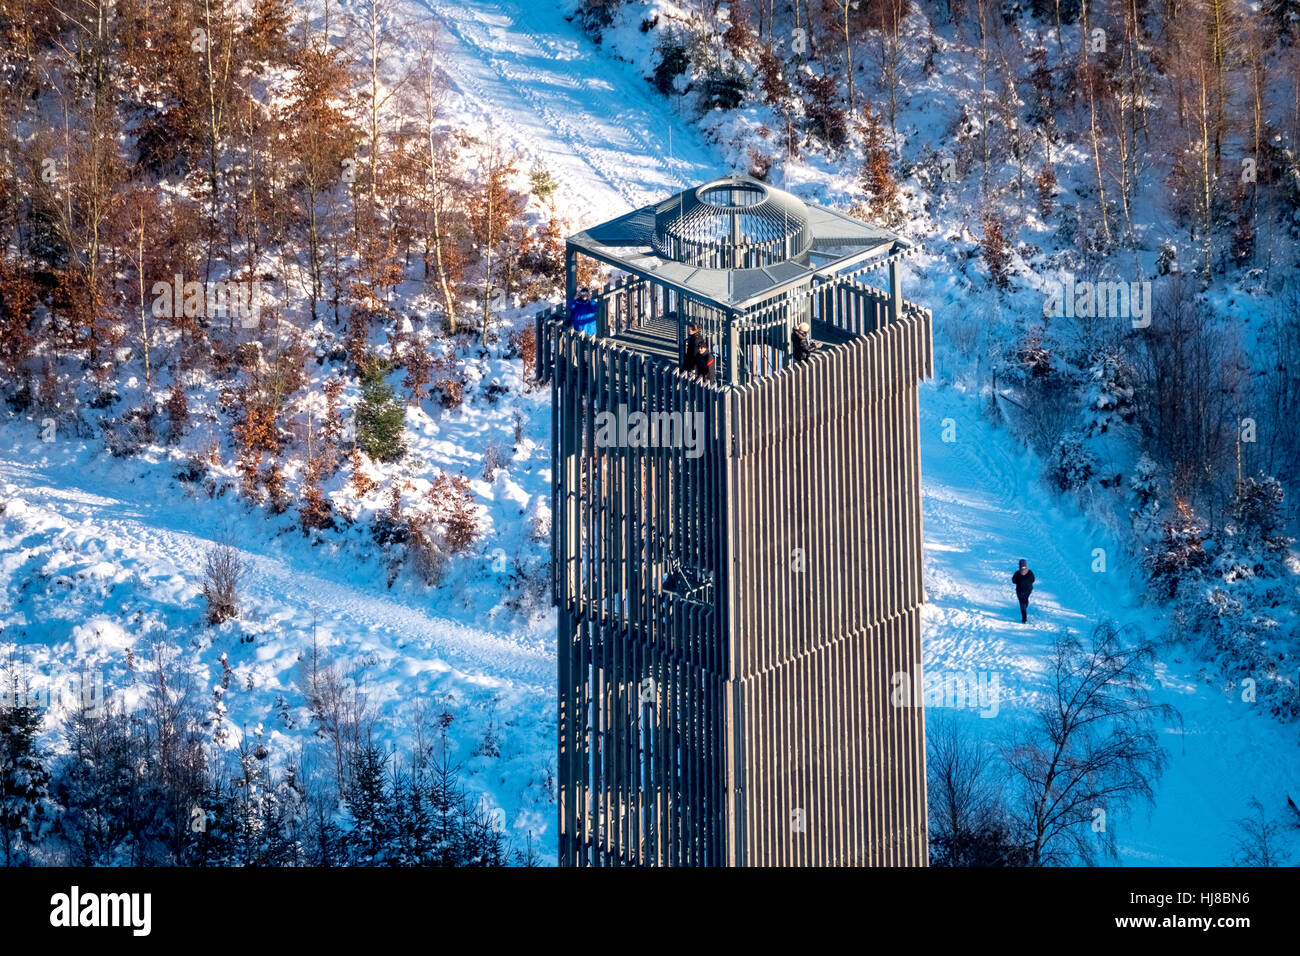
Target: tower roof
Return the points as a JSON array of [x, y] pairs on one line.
[[735, 241]]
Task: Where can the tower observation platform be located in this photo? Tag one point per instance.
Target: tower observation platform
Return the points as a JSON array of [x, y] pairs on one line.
[[737, 562]]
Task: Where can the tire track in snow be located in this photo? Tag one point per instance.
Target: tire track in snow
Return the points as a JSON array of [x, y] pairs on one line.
[[981, 511], [613, 136], [143, 532], [478, 41], [1010, 487]]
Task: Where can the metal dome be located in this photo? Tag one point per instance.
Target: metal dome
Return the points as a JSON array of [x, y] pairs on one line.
[[733, 223], [734, 243]]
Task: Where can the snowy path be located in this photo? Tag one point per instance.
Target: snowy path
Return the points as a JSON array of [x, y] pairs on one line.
[[983, 510], [173, 539], [530, 80]]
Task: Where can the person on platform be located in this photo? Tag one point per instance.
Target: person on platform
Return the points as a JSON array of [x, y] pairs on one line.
[[704, 362], [801, 343], [690, 352], [582, 312]]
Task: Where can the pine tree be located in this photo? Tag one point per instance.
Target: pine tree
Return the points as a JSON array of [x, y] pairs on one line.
[[369, 801], [26, 811], [1180, 555], [381, 419]]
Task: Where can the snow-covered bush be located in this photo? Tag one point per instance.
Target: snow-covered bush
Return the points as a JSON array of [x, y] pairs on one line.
[[1144, 484], [1257, 520], [453, 502], [425, 549], [316, 512], [529, 591], [826, 118], [178, 411], [1046, 184], [723, 87], [429, 531], [672, 61], [223, 570], [450, 380], [996, 251], [1034, 354], [1071, 465], [130, 434], [539, 519], [1179, 558], [494, 456], [1235, 598], [1113, 386], [277, 494], [1235, 623]]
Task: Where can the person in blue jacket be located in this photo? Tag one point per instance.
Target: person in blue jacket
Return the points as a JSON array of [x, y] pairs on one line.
[[582, 313]]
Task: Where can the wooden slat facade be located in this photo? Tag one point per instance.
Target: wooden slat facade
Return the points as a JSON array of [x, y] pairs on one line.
[[751, 724]]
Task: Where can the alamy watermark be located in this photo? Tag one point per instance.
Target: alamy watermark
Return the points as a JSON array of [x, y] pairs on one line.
[[75, 909], [625, 429], [1103, 299], [226, 297], [969, 690], [82, 692]]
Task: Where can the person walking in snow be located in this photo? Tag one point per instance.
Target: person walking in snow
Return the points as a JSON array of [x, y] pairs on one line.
[[1023, 579], [801, 343], [582, 313]]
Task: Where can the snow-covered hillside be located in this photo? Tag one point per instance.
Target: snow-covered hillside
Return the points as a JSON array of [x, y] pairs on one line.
[[983, 510], [101, 557]]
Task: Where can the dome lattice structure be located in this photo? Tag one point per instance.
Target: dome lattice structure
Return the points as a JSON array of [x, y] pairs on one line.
[[733, 224]]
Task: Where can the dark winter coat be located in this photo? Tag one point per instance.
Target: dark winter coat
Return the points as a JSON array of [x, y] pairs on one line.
[[802, 345], [690, 353], [582, 315], [1024, 583], [704, 364]]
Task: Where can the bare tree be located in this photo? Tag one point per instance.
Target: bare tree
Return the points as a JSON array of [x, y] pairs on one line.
[[438, 158], [842, 11], [1259, 839], [92, 166], [178, 761], [890, 54], [1092, 75], [341, 713], [223, 571], [1094, 750], [968, 821], [1188, 393]]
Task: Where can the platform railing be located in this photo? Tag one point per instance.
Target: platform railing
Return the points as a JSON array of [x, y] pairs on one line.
[[746, 345]]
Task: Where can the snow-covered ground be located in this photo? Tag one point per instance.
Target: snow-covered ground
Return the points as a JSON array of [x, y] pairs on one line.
[[98, 555], [983, 510], [527, 78]]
